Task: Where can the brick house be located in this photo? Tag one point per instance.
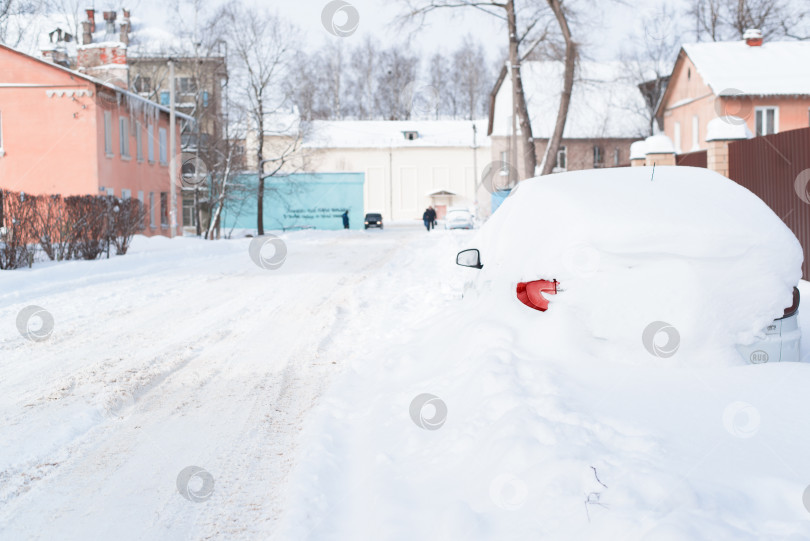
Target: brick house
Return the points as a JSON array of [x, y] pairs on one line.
[[764, 85], [116, 48], [606, 114], [65, 132]]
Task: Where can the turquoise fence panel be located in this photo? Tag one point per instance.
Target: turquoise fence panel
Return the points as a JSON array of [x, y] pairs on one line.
[[498, 198], [299, 200]]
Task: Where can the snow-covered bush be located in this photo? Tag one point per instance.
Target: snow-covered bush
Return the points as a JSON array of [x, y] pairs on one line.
[[129, 216], [17, 238], [74, 227], [91, 219]]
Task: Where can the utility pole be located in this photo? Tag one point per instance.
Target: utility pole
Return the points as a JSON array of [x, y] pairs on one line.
[[172, 154], [475, 164], [514, 146]]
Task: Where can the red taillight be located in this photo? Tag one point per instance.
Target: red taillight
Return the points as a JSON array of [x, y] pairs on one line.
[[531, 293], [793, 308]]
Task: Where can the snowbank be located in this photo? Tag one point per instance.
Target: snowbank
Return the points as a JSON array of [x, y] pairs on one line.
[[638, 151], [727, 128], [659, 144], [551, 439]]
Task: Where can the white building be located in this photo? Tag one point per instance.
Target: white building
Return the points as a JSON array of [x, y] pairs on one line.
[[408, 165]]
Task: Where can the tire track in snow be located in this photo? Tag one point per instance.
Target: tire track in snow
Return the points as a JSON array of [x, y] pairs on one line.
[[278, 401]]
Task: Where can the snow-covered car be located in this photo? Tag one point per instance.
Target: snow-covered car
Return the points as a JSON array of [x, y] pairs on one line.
[[459, 219], [675, 259]]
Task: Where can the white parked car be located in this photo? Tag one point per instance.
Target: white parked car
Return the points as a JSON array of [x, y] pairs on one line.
[[627, 262], [459, 219]]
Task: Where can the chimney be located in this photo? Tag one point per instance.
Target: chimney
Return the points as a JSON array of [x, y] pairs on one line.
[[753, 37], [91, 18], [56, 52], [110, 17], [126, 26], [87, 34], [88, 27]]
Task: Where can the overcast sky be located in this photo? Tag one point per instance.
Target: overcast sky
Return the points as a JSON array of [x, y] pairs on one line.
[[611, 22]]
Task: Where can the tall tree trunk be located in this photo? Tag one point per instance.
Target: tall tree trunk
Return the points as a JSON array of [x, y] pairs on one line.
[[260, 166], [528, 158], [549, 157], [213, 218]]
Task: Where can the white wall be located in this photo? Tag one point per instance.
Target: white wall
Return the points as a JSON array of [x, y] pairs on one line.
[[398, 179]]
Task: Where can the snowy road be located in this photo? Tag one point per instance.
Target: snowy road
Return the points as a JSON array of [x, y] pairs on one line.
[[185, 353], [293, 390]]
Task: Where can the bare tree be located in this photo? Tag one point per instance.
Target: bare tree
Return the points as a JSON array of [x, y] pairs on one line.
[[568, 84], [129, 216], [16, 25], [399, 70], [220, 192], [528, 32], [332, 73], [470, 82], [364, 65], [649, 58], [303, 86], [439, 77], [262, 46]]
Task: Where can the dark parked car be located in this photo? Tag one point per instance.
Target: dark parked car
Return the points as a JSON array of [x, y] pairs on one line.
[[373, 220]]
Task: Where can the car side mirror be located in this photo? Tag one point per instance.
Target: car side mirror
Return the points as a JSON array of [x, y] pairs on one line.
[[469, 258]]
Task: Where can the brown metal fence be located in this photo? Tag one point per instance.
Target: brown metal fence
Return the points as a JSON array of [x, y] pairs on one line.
[[692, 159], [772, 167]]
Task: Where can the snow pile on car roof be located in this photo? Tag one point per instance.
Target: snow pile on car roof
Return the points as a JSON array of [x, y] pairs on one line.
[[632, 247]]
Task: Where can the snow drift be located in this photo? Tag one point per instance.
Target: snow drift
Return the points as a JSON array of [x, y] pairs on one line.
[[631, 246], [544, 429]]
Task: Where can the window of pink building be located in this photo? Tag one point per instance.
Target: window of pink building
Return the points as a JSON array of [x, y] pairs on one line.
[[150, 143], [767, 120], [162, 146], [123, 136], [139, 141], [108, 148], [164, 209]]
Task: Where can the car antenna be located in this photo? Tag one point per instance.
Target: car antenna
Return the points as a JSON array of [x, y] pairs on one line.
[[653, 173]]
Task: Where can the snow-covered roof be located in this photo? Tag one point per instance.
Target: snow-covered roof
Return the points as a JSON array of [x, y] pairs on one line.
[[391, 133], [133, 100], [733, 68], [604, 103], [30, 34], [153, 40], [282, 123], [727, 128]]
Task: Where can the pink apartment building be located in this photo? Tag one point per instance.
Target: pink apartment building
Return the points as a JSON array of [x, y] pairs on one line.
[[766, 85], [64, 132]]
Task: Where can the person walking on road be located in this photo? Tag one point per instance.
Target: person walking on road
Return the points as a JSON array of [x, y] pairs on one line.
[[345, 217], [432, 217], [427, 219]]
